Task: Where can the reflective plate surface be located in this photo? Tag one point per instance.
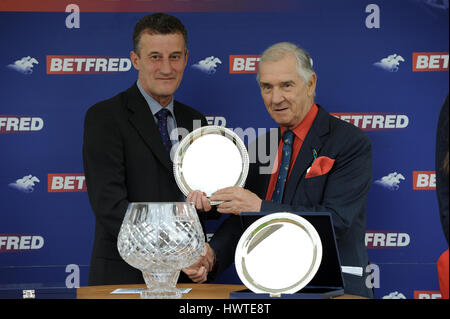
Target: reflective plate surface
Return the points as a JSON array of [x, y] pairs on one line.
[[279, 253], [210, 158]]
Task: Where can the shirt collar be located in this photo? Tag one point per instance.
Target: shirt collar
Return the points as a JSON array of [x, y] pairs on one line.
[[302, 129], [155, 107]]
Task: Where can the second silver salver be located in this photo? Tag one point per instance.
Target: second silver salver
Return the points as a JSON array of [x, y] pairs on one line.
[[279, 253], [210, 158]]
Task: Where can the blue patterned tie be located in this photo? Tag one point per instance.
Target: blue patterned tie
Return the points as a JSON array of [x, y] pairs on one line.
[[161, 115], [288, 137]]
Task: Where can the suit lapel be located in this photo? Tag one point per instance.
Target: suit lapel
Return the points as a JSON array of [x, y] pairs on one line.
[[182, 121], [143, 121], [319, 128]]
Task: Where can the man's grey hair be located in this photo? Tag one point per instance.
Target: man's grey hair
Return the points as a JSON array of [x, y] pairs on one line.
[[277, 51]]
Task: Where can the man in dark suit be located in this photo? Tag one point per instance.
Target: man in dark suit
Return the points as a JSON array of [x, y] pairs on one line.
[[327, 164], [127, 142]]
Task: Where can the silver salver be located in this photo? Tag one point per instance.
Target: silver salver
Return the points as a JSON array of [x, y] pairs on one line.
[[278, 254], [210, 158]]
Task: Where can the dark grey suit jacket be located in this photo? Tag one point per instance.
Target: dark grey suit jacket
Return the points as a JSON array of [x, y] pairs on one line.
[[342, 192], [125, 161], [442, 186]]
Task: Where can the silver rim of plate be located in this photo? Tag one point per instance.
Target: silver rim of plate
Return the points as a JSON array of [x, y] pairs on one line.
[[278, 253], [212, 142]]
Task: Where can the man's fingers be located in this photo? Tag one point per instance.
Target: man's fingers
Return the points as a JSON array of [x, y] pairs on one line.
[[226, 208], [189, 271], [205, 203], [224, 194], [220, 197], [200, 200], [198, 275], [226, 190]]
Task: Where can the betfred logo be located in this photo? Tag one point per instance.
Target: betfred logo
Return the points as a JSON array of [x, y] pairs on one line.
[[427, 294], [15, 242], [424, 180], [70, 64], [244, 63], [66, 183], [15, 124], [386, 239], [375, 121], [430, 61]]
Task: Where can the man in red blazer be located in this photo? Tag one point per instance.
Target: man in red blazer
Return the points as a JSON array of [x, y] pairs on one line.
[[330, 169]]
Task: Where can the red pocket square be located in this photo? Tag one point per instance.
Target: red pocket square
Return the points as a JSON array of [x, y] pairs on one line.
[[320, 166]]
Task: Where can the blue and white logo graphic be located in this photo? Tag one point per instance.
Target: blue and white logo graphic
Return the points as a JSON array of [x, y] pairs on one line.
[[24, 65], [391, 181], [25, 184], [207, 65], [390, 63]]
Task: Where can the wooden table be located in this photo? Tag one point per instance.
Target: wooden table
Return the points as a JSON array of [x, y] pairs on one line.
[[199, 291]]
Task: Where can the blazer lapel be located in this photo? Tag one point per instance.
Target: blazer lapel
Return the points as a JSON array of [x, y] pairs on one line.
[[305, 156], [142, 119], [183, 122]]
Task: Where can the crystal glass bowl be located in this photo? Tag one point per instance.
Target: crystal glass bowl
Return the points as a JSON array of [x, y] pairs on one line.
[[160, 239]]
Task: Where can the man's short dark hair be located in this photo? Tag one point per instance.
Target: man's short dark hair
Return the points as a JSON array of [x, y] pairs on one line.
[[158, 23]]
